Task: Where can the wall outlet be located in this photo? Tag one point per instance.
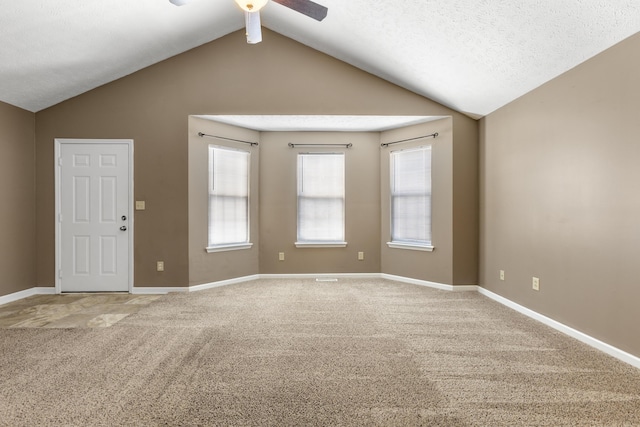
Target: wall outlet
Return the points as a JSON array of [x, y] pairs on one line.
[[280, 256], [501, 274], [360, 256], [535, 284], [160, 266]]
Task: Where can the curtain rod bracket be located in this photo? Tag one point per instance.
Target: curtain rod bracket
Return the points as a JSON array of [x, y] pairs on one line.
[[386, 144], [292, 145], [200, 134]]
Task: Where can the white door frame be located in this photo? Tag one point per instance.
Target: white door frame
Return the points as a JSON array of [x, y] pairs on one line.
[[58, 208]]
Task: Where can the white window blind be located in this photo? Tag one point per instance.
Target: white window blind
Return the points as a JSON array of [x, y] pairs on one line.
[[228, 196], [321, 198], [411, 196]]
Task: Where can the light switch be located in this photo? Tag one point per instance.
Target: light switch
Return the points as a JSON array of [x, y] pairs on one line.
[[140, 205]]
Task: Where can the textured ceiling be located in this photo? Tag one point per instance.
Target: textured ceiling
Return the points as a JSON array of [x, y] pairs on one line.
[[471, 55]]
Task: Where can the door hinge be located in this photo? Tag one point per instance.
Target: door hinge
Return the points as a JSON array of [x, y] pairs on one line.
[[60, 274], [59, 217], [59, 161]]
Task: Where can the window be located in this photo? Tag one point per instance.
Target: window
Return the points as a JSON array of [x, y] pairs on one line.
[[411, 199], [228, 199], [321, 199]]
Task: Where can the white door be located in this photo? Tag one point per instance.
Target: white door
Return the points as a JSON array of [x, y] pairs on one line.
[[94, 217]]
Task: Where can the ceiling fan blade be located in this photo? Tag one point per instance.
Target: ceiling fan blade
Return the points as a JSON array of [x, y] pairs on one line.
[[254, 31], [306, 7], [179, 2]]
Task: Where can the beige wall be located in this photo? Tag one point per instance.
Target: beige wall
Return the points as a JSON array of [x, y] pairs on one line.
[[210, 267], [436, 266], [367, 204], [278, 204], [18, 206], [152, 108], [560, 198], [466, 201]]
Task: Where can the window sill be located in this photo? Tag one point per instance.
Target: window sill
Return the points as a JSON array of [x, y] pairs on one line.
[[233, 247], [321, 244], [410, 246]]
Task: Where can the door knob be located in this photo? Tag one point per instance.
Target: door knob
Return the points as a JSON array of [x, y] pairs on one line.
[[124, 217], [123, 228]]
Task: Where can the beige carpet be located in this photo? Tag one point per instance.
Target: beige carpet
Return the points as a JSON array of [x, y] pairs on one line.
[[300, 352]]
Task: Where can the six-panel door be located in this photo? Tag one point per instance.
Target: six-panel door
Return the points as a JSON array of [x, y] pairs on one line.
[[94, 223]]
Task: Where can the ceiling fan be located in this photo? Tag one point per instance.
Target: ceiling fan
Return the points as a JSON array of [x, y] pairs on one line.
[[252, 13]]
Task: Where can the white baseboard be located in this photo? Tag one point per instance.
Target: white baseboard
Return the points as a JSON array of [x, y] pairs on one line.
[[223, 283], [435, 285], [322, 276], [580, 336], [6, 299], [151, 290]]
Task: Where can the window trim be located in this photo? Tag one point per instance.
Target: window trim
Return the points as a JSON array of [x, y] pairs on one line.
[[230, 247], [224, 247], [321, 243], [411, 246], [426, 246]]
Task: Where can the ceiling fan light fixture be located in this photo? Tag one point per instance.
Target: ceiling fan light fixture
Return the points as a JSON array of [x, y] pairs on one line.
[[251, 5]]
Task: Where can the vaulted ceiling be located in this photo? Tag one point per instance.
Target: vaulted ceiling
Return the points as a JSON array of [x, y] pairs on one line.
[[471, 55]]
